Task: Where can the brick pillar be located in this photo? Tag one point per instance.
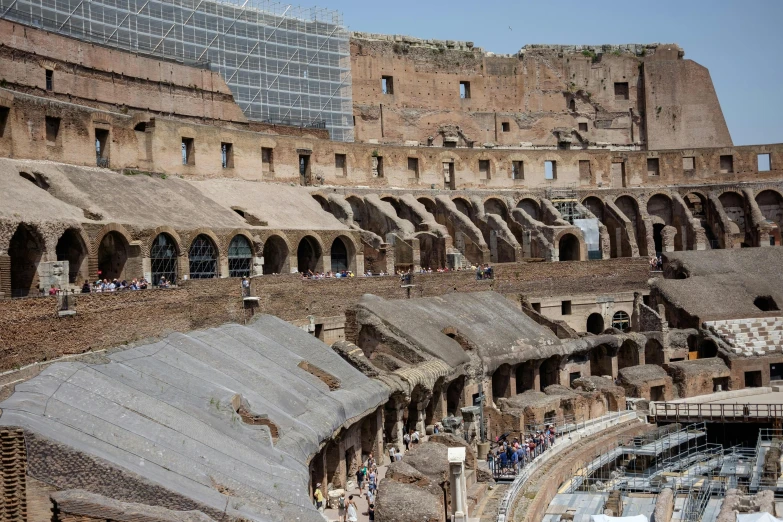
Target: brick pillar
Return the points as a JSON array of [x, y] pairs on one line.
[[5, 276]]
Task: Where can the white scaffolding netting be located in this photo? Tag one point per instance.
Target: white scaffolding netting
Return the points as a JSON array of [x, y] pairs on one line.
[[284, 64]]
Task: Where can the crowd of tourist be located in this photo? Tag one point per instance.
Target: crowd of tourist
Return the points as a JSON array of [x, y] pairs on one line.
[[347, 508], [509, 457], [116, 285], [482, 272], [656, 263]]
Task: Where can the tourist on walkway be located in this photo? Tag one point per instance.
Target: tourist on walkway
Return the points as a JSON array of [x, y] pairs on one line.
[[319, 498], [352, 514], [341, 507], [360, 478]]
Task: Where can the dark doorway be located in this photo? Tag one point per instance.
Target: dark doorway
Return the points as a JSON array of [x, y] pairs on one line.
[[304, 169], [26, 250], [569, 248], [308, 254], [776, 372], [658, 238], [550, 372], [71, 248], [339, 255], [454, 396], [627, 356], [753, 379], [112, 256], [595, 323], [275, 255], [501, 382]]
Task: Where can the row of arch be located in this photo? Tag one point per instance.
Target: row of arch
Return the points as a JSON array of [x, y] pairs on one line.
[[114, 255]]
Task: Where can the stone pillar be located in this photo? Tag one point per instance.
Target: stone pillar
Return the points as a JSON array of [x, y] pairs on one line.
[[394, 411], [512, 381], [471, 416], [223, 267], [459, 490], [537, 374], [421, 416]]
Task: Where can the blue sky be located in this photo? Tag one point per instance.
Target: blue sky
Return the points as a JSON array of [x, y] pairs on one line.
[[740, 42]]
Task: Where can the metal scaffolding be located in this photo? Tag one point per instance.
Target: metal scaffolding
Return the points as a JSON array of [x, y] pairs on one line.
[[284, 64]]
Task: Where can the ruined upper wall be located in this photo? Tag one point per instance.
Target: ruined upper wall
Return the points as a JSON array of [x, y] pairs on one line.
[[544, 96]]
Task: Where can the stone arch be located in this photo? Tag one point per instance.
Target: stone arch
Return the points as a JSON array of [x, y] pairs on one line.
[[550, 371], [309, 254], [495, 205], [464, 206], [621, 321], [339, 255], [770, 203], [164, 255], [111, 227], [321, 199], [734, 205], [428, 203], [595, 205], [72, 247], [359, 210], [163, 229], [531, 207], [629, 206], [240, 255], [696, 203], [627, 355], [276, 253], [394, 202], [203, 254], [595, 323], [601, 358], [660, 205], [569, 248], [26, 249], [653, 352], [113, 253], [501, 382]]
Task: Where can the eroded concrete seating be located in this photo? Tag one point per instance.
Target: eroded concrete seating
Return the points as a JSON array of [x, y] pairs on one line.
[[753, 336]]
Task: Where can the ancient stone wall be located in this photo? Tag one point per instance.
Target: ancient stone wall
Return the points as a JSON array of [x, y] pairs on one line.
[[32, 331]]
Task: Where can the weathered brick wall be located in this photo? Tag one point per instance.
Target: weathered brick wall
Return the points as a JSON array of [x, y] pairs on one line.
[[31, 331]]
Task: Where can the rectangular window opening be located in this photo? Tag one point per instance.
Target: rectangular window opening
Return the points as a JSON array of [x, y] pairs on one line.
[[764, 162], [267, 163], [4, 112], [387, 84], [550, 170], [621, 90], [505, 126], [188, 151], [583, 126], [483, 169], [726, 164], [227, 155], [653, 167], [572, 376], [102, 147], [753, 379], [340, 164], [565, 308], [52, 128], [517, 170], [584, 171], [688, 163], [449, 179], [49, 80], [413, 167], [464, 90], [377, 166]]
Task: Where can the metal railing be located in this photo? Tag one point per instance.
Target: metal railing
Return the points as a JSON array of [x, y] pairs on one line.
[[668, 411]]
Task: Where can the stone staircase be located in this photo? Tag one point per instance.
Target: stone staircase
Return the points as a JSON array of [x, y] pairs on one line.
[[750, 336]]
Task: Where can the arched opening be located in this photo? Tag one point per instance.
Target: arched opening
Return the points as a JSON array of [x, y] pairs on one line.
[[308, 255], [501, 382], [572, 105], [275, 255], [696, 203], [464, 206], [595, 323], [240, 257], [653, 352], [526, 377], [660, 206], [25, 250], [322, 201], [454, 400], [428, 204], [531, 208], [770, 204], [628, 355], [707, 349], [630, 208], [359, 211], [601, 361], [734, 206], [339, 255], [550, 372], [112, 256], [202, 258], [495, 206], [596, 206], [765, 303], [71, 248], [394, 203], [621, 321], [569, 248], [163, 258], [658, 238]]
